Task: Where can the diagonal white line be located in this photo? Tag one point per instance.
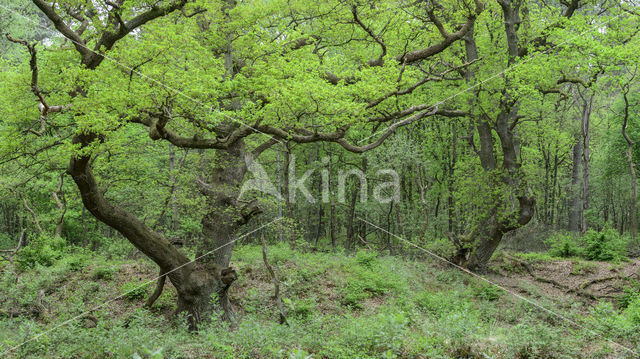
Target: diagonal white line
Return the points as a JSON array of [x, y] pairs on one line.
[[138, 287], [521, 297], [151, 79], [510, 68]]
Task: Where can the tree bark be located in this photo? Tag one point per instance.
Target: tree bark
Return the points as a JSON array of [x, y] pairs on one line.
[[175, 224], [226, 213], [195, 282], [632, 171], [451, 175], [351, 240], [574, 207], [422, 186], [586, 137], [332, 206], [61, 203], [515, 207]]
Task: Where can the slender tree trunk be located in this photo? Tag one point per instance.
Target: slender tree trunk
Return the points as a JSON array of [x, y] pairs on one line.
[[586, 119], [175, 216], [554, 221], [85, 241], [350, 219], [423, 201], [451, 174], [363, 225], [574, 207], [632, 171], [61, 203], [332, 208], [285, 192], [547, 170]]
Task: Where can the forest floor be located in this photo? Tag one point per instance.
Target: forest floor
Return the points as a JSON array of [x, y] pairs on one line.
[[569, 280], [338, 306]]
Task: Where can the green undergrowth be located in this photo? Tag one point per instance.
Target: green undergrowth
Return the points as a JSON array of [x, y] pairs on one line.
[[338, 306]]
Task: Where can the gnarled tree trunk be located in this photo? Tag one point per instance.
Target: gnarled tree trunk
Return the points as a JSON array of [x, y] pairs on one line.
[[226, 212], [515, 207], [195, 282]]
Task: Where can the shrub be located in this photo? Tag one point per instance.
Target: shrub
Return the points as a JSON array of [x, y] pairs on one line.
[[75, 261], [104, 272], [366, 258], [379, 334], [441, 303], [631, 292], [607, 245], [632, 312], [581, 267], [536, 340], [563, 245], [44, 250], [365, 283], [606, 319], [133, 290], [301, 308], [442, 247], [487, 292]]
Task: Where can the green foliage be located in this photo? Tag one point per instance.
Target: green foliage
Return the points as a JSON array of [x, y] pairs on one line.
[[487, 292], [380, 334], [150, 354], [436, 316], [301, 308], [104, 272], [621, 325], [537, 256], [607, 245], [6, 242], [443, 247], [365, 282], [366, 258], [564, 245], [282, 54], [44, 250], [630, 294], [633, 311], [536, 340], [134, 290], [440, 303]]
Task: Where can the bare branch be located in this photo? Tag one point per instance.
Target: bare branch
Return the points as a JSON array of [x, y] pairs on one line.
[[34, 217]]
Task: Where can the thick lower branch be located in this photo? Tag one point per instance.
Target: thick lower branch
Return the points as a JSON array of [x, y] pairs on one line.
[[149, 242]]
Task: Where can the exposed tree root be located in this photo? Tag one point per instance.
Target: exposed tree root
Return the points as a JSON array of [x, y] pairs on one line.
[[577, 291], [158, 291], [586, 285]]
